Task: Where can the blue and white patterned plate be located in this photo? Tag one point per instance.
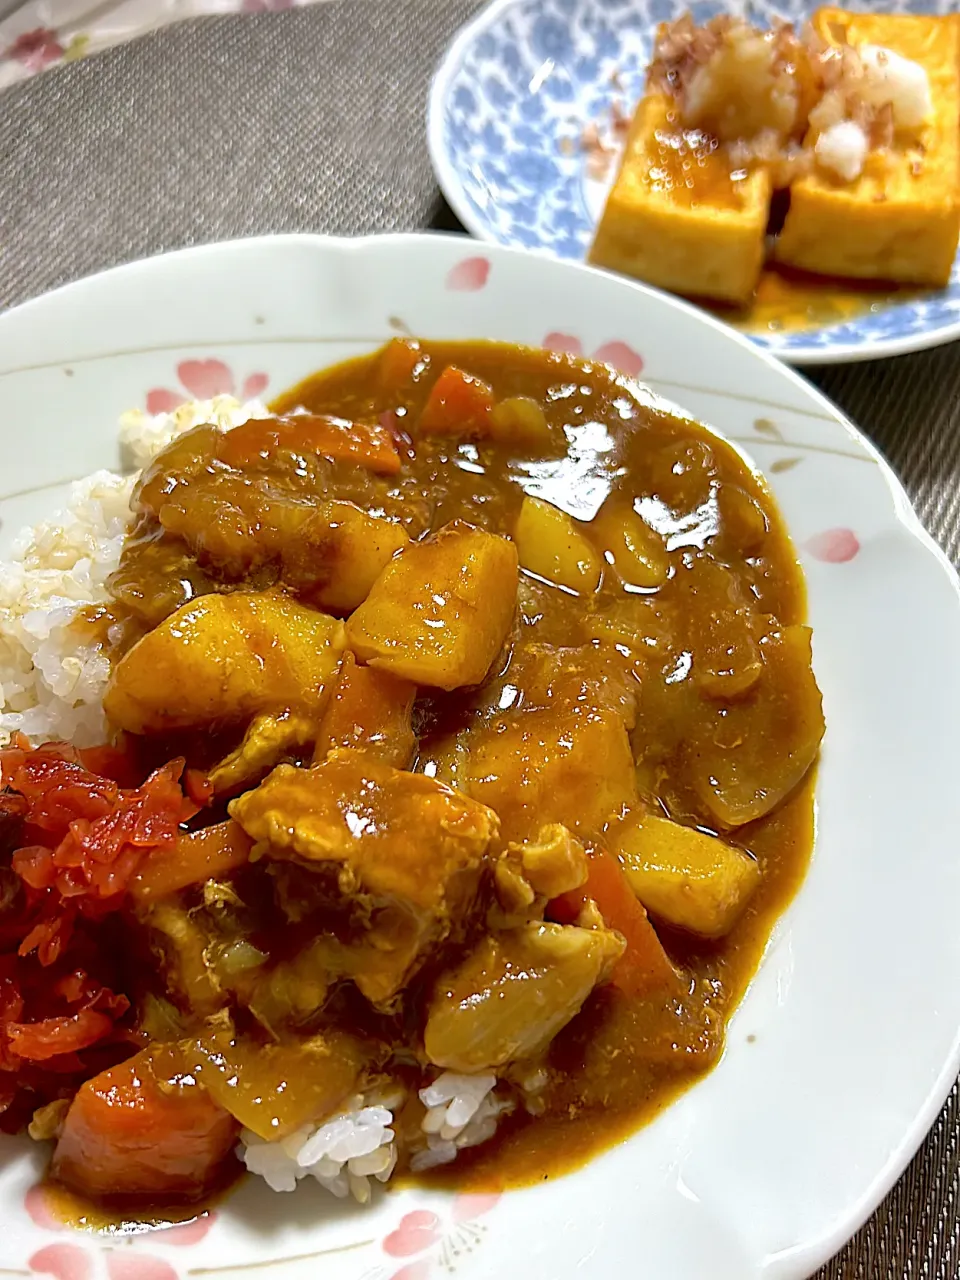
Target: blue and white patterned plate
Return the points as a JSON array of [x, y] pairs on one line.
[[507, 110]]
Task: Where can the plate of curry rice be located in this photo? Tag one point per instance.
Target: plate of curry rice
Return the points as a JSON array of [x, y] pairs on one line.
[[793, 167], [474, 794]]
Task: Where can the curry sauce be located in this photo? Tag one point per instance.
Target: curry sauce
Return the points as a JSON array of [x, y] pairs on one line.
[[464, 714]]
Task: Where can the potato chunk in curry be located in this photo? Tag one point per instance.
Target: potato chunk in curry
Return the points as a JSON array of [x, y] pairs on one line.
[[686, 877], [222, 659], [551, 546], [440, 611]]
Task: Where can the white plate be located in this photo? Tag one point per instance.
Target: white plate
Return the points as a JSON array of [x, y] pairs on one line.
[[508, 106], [847, 1042]]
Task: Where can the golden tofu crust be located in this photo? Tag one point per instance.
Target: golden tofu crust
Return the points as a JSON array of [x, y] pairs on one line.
[[900, 220], [695, 230]]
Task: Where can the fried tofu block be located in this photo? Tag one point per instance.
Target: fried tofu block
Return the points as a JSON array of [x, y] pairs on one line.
[[440, 611], [695, 230], [400, 852], [692, 880], [899, 220]]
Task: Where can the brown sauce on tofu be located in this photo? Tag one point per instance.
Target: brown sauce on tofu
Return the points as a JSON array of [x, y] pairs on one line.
[[789, 301], [692, 166], [494, 692]]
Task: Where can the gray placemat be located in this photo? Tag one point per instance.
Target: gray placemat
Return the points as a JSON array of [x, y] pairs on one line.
[[221, 127], [313, 120]]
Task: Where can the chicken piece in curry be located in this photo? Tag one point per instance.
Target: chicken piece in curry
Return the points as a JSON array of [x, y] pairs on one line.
[[464, 729]]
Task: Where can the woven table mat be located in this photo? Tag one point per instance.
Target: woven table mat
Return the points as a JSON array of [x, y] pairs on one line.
[[314, 120]]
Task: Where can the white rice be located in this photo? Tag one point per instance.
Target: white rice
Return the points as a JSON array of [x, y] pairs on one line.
[[462, 1111], [342, 1154], [142, 436], [51, 678]]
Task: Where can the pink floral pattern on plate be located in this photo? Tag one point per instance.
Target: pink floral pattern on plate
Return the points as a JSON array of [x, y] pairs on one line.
[[833, 546], [469, 275], [422, 1244], [62, 1261], [34, 50], [202, 380], [77, 1262], [432, 1241], [121, 1257], [619, 355]]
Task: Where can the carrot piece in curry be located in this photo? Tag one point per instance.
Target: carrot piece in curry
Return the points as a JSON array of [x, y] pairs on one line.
[[403, 363], [644, 967], [459, 405], [369, 710], [201, 855], [260, 439], [143, 1128]]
